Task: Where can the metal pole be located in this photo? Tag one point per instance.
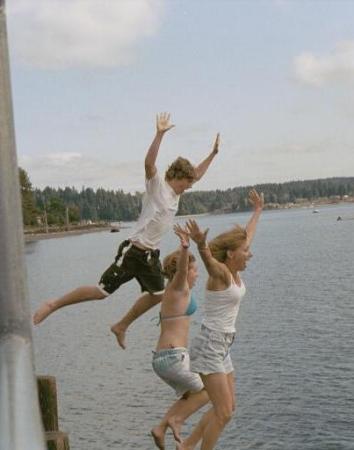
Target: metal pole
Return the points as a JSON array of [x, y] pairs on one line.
[[20, 423]]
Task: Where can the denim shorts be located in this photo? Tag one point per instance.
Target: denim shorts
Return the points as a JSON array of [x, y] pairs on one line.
[[133, 262], [172, 366], [210, 352]]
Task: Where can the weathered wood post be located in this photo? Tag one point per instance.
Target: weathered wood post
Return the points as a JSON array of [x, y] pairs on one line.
[[20, 422], [47, 388]]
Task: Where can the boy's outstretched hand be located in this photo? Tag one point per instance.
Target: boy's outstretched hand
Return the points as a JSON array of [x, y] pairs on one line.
[[216, 144], [163, 122]]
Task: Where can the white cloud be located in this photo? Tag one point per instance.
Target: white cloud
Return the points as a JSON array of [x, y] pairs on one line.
[[337, 67], [75, 169], [57, 34], [282, 3]]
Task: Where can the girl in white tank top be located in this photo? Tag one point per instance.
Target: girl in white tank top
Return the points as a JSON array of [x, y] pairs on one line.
[[221, 307], [224, 257]]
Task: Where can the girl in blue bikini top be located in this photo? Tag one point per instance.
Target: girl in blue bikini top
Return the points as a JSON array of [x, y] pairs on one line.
[[171, 357], [191, 309]]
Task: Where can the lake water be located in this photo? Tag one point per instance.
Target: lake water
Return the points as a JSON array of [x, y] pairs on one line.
[[294, 352]]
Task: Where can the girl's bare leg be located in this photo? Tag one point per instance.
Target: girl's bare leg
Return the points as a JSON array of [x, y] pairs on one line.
[[232, 386], [220, 389], [81, 294], [176, 416], [143, 304], [191, 442]]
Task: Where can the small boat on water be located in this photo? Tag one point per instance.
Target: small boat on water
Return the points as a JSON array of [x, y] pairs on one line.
[[115, 229], [315, 211]]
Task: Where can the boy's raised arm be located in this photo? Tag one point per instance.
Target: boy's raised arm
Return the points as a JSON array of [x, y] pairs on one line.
[[204, 165], [162, 125]]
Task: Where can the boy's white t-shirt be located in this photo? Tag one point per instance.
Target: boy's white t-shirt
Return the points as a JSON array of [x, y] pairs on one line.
[[160, 205]]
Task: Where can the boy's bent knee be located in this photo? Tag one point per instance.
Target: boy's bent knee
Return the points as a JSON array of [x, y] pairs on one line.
[[100, 294], [155, 299]]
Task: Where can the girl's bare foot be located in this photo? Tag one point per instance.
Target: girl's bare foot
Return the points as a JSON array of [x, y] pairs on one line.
[[182, 446], [175, 427], [43, 312], [158, 436], [119, 331]]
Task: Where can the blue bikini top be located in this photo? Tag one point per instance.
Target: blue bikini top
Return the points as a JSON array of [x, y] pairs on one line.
[[192, 306], [191, 309]]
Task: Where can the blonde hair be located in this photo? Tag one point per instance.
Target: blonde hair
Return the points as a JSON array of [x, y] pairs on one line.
[[170, 263], [179, 169], [230, 240]]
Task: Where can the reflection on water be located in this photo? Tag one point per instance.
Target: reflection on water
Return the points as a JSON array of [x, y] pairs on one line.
[[31, 247], [293, 353]]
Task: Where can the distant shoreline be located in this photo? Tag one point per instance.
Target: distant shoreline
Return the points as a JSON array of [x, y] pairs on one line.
[[30, 237]]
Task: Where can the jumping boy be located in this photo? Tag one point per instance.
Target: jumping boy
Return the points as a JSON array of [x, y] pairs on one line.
[[138, 256]]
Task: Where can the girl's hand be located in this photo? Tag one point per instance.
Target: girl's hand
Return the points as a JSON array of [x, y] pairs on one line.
[[257, 200], [183, 235], [195, 233]]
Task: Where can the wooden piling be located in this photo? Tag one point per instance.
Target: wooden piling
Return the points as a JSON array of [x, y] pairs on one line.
[[48, 401], [57, 440]]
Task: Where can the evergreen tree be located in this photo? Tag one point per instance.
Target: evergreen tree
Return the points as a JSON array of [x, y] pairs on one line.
[[29, 210], [109, 205]]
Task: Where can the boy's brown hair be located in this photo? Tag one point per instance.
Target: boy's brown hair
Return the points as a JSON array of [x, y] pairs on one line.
[[179, 169]]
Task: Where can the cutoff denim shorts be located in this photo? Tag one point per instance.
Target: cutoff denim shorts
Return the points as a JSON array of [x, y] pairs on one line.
[[210, 352], [172, 366]]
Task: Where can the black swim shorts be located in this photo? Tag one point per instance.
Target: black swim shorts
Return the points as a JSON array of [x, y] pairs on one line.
[[133, 262]]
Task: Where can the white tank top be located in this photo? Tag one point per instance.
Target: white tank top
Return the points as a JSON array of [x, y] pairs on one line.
[[221, 307]]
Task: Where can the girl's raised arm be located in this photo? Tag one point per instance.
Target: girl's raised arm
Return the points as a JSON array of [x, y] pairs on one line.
[[257, 200], [212, 266], [180, 278]]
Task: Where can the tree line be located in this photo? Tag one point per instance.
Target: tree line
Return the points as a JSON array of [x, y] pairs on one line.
[[109, 205]]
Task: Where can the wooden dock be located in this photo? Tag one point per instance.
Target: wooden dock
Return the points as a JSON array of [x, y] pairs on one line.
[[48, 402]]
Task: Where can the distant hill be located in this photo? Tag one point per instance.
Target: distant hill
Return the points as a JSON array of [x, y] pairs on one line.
[[276, 195], [108, 205]]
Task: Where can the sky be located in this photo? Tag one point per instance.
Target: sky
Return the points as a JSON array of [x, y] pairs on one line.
[[274, 77]]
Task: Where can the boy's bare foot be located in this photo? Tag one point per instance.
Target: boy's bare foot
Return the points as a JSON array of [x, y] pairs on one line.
[[119, 332], [158, 436], [42, 312]]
